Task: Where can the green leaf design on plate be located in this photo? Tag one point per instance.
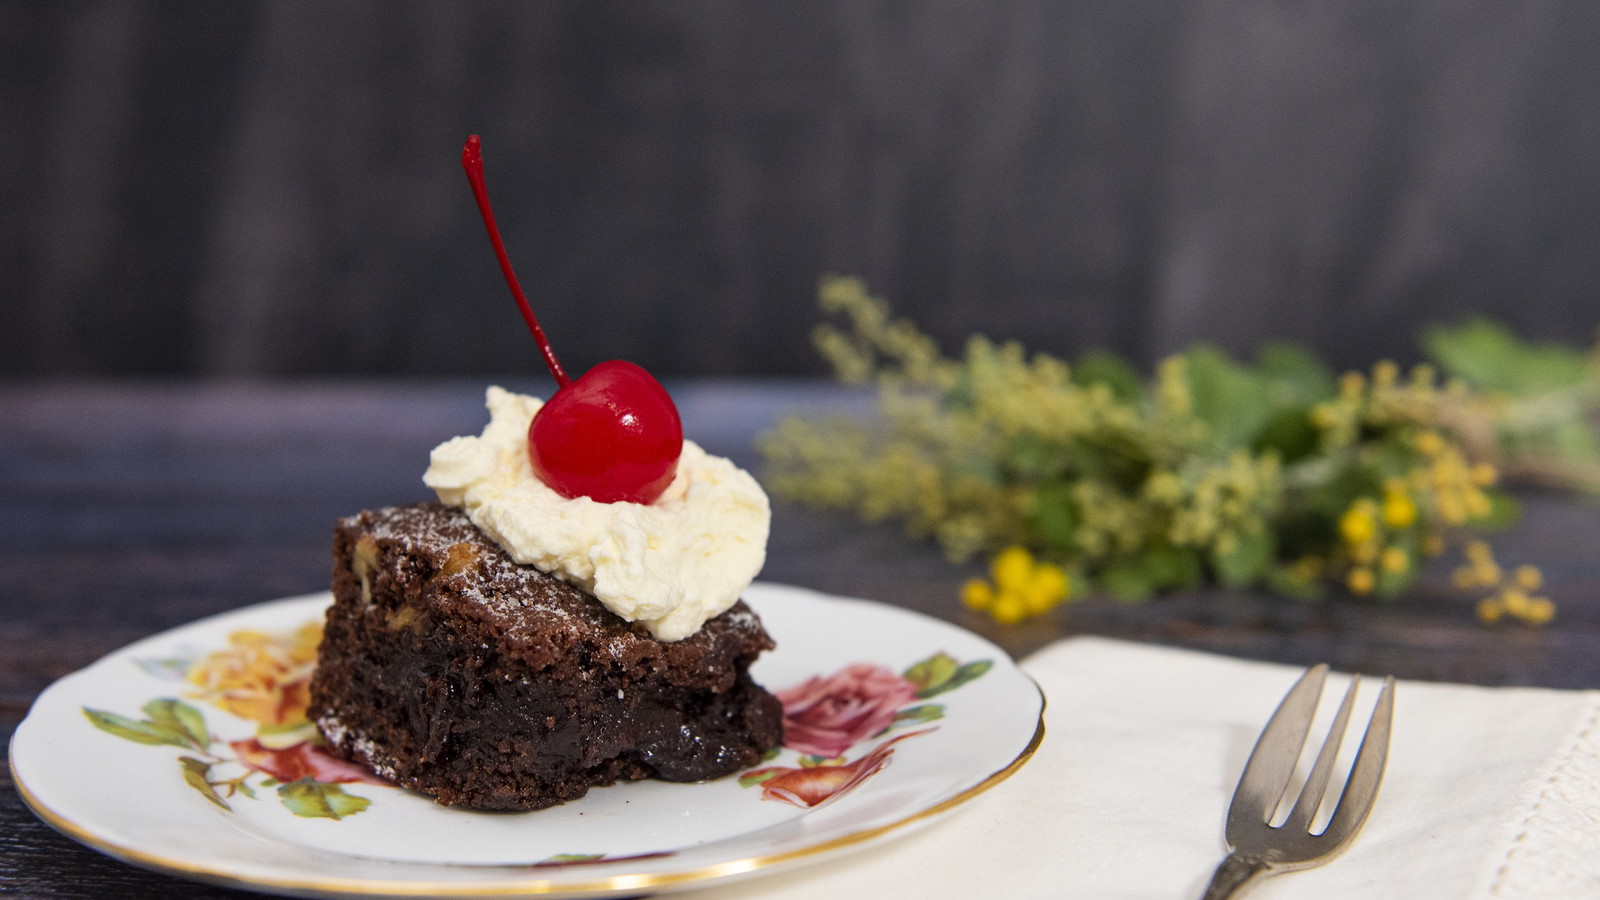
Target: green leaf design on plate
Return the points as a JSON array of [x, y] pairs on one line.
[[929, 676], [288, 734], [320, 800], [958, 677], [139, 732], [240, 784], [570, 858], [750, 779], [968, 672], [175, 715], [197, 773], [926, 712]]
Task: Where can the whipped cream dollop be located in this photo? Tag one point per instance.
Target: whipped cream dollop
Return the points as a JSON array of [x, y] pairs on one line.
[[671, 564]]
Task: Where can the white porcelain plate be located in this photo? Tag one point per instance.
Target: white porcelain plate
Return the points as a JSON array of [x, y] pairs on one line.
[[170, 754]]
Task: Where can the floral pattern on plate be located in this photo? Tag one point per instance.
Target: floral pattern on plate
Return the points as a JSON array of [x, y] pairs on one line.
[[824, 718], [914, 733], [264, 678]]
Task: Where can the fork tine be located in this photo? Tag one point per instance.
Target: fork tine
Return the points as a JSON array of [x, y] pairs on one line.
[[1367, 773], [1305, 808], [1266, 774], [1255, 846]]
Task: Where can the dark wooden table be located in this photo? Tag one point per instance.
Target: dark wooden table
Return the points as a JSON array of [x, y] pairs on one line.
[[129, 509]]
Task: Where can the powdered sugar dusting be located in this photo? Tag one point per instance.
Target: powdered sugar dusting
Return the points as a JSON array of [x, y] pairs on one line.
[[357, 745], [525, 598]]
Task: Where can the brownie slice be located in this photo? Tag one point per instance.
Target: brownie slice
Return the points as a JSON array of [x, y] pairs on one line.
[[448, 668]]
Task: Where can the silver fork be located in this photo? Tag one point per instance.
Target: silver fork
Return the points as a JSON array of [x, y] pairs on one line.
[[1257, 847]]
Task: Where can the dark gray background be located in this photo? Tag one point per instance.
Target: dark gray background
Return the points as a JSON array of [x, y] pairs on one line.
[[273, 189]]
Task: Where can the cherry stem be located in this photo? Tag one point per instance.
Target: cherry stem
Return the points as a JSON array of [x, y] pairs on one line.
[[472, 161]]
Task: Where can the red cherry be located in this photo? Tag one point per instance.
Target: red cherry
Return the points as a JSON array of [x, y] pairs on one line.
[[614, 434]]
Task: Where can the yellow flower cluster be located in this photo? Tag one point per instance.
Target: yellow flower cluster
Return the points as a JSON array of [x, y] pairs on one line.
[[1375, 535], [1511, 595], [1274, 475], [1022, 587], [1213, 503], [262, 677], [1381, 536], [1384, 399], [1455, 486]]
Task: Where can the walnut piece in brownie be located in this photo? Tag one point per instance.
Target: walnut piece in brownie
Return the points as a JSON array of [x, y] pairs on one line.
[[449, 669]]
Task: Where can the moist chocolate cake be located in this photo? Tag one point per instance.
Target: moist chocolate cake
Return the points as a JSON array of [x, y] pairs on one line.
[[448, 668]]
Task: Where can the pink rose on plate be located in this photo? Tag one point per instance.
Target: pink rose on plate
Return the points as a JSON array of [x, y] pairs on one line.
[[824, 716], [303, 760]]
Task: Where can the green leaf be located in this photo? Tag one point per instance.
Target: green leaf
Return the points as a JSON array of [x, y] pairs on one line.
[[1489, 357], [1290, 433], [1330, 499], [1127, 582], [1294, 374], [1111, 370], [1166, 566], [928, 675], [139, 732], [1390, 585], [1572, 439], [1246, 561], [1055, 517], [1504, 510], [926, 712], [320, 800], [1568, 439], [1115, 457], [751, 779], [197, 773], [175, 715], [1031, 458], [1232, 400]]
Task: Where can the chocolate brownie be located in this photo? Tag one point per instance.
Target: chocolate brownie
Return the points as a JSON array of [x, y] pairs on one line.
[[450, 669]]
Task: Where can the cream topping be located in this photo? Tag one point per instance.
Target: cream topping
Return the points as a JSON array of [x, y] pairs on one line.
[[671, 564]]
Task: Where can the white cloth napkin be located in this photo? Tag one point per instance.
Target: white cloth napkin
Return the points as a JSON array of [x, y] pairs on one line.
[[1488, 793]]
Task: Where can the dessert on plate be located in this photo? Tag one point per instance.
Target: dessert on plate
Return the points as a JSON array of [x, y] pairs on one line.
[[450, 668], [566, 616]]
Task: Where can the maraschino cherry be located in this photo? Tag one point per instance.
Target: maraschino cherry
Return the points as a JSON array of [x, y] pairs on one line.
[[611, 435]]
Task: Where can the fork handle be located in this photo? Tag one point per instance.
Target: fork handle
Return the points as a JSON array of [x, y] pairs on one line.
[[1232, 875]]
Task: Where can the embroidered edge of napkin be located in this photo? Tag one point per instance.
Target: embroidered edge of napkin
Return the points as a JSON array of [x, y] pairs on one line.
[[1556, 849]]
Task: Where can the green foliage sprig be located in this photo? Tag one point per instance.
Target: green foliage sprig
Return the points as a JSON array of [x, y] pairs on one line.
[[1275, 474]]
